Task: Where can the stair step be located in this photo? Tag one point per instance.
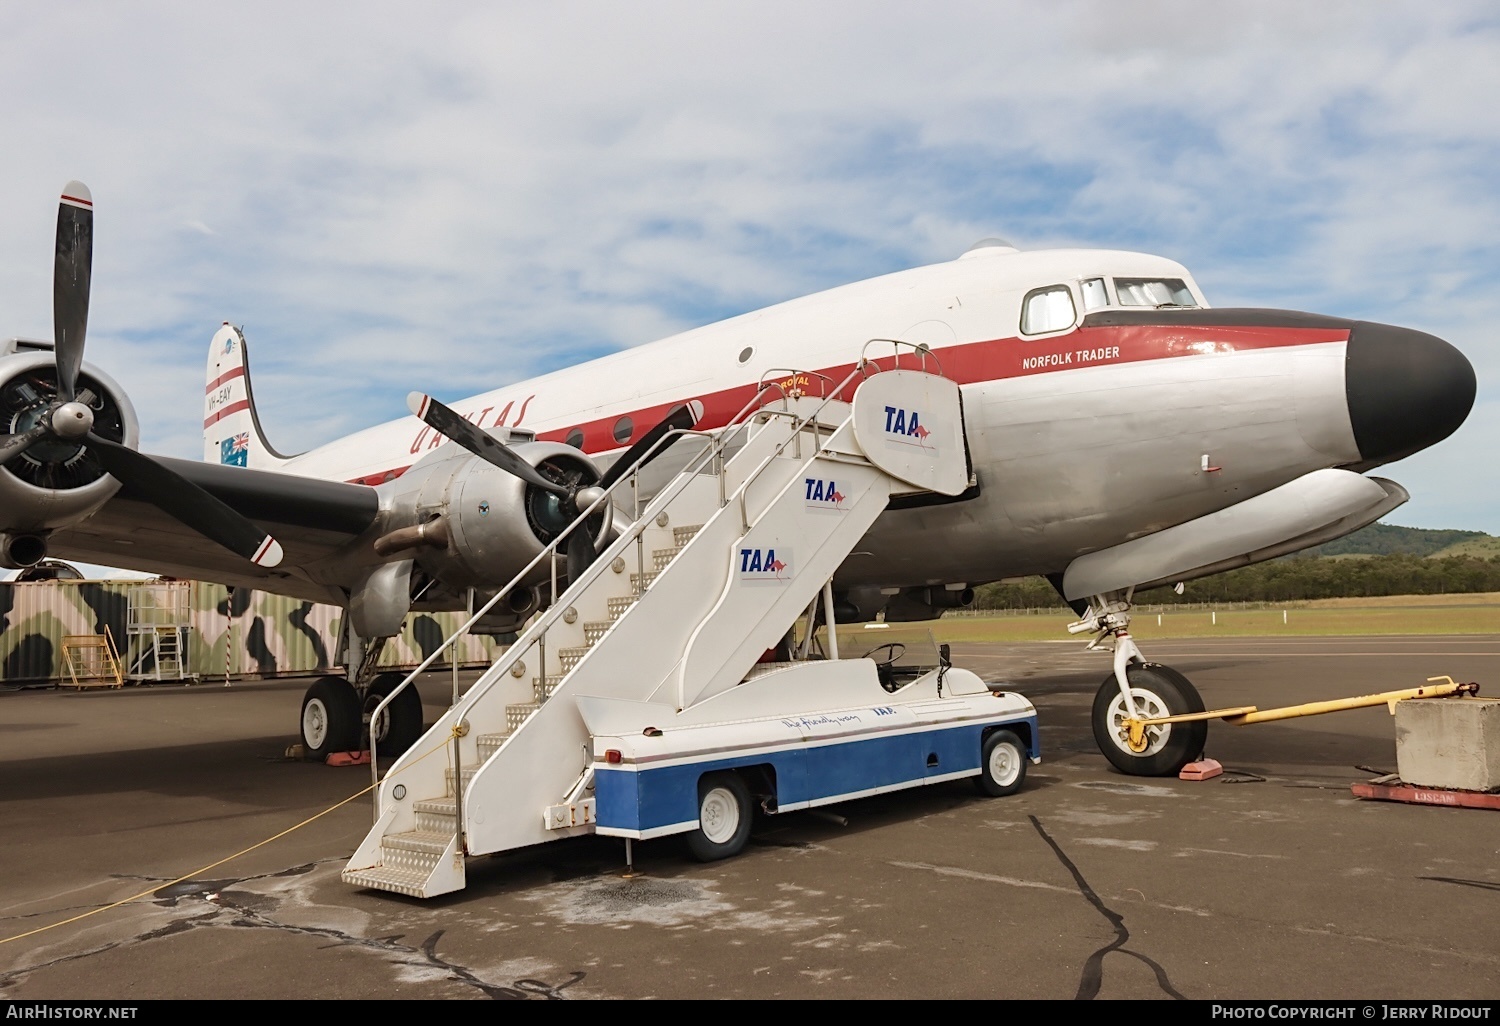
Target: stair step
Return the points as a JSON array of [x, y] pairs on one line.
[[682, 535], [569, 657], [640, 582], [537, 695], [430, 842], [411, 882], [489, 744], [468, 776], [436, 815], [618, 606], [515, 715], [593, 630], [661, 557]]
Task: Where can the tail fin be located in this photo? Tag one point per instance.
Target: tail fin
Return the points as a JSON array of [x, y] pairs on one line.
[[231, 430]]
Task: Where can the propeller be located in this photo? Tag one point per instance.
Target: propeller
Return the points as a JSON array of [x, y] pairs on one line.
[[450, 425], [574, 496], [68, 418]]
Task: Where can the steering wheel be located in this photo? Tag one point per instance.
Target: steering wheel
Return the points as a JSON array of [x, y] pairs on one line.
[[897, 651], [885, 668]]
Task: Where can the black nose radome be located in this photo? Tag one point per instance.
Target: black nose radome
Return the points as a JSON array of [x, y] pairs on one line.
[[1406, 390]]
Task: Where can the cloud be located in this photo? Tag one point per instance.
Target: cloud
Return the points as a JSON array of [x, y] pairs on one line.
[[471, 193]]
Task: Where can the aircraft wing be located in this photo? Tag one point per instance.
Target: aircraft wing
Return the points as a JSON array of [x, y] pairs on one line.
[[318, 523]]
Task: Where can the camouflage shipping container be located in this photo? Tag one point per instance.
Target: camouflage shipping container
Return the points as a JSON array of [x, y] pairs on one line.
[[244, 634]]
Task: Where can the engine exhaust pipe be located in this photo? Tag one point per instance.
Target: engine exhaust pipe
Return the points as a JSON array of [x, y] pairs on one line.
[[942, 598], [434, 534], [23, 550], [523, 601]]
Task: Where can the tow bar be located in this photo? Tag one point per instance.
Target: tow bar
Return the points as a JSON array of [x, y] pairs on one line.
[[1241, 715]]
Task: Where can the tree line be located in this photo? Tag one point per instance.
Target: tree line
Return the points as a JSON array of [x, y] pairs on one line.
[[1290, 579]]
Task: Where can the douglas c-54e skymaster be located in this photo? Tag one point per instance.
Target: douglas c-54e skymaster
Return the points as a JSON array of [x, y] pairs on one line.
[[1120, 434]]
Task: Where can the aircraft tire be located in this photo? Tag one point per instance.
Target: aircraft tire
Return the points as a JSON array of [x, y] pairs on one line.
[[1002, 765], [330, 718], [725, 814], [1165, 692], [402, 719]]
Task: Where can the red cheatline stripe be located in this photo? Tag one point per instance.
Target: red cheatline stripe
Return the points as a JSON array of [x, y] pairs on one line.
[[993, 360], [243, 404], [229, 375], [78, 202]]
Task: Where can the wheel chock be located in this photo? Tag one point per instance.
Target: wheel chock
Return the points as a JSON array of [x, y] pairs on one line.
[[347, 759], [1203, 769]]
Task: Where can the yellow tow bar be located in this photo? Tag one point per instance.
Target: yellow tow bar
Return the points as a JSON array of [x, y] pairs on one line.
[[1241, 715]]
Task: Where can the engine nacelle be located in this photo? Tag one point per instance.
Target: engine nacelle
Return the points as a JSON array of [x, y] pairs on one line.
[[472, 525], [56, 482]]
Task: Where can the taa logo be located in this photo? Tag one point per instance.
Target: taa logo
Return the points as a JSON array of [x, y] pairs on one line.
[[823, 496], [884, 710], [765, 566], [906, 425]]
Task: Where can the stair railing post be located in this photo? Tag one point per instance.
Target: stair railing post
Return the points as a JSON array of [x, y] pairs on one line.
[[640, 535], [833, 638], [458, 789]]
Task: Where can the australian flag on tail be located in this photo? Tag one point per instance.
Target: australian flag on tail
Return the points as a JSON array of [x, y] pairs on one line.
[[235, 451]]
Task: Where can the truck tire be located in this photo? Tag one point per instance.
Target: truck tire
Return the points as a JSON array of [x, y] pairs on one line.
[[725, 813]]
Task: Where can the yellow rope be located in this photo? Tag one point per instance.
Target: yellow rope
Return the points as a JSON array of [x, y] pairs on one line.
[[214, 865]]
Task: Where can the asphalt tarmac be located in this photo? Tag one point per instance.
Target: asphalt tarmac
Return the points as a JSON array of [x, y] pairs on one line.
[[1269, 882]]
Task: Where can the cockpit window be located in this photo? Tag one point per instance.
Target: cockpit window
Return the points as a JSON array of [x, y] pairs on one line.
[[1154, 292], [1048, 309], [1094, 295]]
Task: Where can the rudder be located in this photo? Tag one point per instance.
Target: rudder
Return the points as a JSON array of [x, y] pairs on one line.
[[231, 429]]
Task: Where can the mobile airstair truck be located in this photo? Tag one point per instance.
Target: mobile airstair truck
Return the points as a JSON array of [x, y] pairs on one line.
[[639, 703]]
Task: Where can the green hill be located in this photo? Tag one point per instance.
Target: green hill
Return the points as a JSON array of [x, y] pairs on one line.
[[1389, 539], [1485, 547]]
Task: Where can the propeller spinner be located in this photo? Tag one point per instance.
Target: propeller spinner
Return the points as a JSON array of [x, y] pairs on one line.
[[67, 418]]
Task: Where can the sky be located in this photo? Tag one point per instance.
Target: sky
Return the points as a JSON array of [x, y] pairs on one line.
[[451, 197]]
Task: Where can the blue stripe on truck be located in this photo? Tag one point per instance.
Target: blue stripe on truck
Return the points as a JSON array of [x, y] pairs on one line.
[[647, 799]]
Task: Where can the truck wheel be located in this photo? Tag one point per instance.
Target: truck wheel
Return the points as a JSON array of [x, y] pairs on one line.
[[1158, 691], [330, 717], [1002, 765], [724, 817], [401, 723]]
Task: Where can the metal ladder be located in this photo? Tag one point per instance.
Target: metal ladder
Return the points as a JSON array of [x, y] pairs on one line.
[[509, 764]]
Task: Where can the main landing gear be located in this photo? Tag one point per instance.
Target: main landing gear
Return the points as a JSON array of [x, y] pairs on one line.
[[1139, 690], [336, 715]]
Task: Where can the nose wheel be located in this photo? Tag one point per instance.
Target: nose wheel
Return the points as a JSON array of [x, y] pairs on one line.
[[1157, 750]]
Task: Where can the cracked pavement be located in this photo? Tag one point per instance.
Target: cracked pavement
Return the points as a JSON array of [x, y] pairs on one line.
[[1269, 882]]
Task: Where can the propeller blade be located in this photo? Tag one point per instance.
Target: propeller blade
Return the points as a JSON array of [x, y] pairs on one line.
[[14, 445], [70, 283], [679, 419], [450, 425], [184, 501], [580, 552]]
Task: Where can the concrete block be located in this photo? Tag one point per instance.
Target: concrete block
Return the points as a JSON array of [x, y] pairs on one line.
[[1449, 742]]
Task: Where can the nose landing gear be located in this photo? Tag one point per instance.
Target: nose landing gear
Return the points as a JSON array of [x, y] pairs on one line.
[[1139, 690]]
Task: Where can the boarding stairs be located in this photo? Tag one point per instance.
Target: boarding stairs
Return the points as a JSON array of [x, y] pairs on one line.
[[710, 575]]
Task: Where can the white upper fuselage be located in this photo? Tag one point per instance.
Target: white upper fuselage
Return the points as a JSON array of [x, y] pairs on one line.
[[1080, 437]]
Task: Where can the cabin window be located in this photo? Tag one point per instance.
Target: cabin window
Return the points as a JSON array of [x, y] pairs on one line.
[[1094, 295], [1154, 292], [624, 428], [1048, 309], [575, 439]]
